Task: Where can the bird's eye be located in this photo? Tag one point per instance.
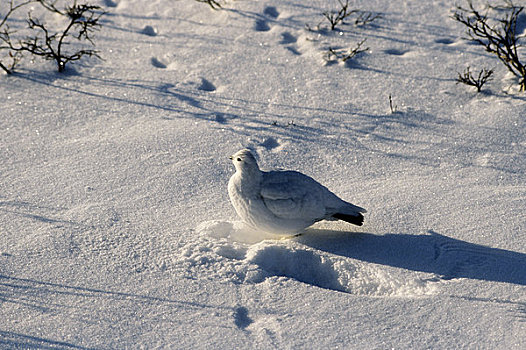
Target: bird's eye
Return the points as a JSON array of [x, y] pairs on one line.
[[238, 159]]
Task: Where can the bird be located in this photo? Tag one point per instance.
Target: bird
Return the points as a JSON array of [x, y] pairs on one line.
[[284, 202]]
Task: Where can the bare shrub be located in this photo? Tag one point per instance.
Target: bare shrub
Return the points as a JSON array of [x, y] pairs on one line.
[[477, 81], [337, 17], [80, 21], [345, 55], [364, 17], [496, 30]]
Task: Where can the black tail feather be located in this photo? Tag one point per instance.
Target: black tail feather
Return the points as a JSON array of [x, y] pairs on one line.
[[353, 219]]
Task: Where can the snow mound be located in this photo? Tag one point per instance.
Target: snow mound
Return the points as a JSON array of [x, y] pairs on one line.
[[304, 264], [149, 30], [235, 231], [231, 250]]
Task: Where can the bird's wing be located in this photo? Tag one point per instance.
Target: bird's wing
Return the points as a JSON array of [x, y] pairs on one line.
[[292, 195]]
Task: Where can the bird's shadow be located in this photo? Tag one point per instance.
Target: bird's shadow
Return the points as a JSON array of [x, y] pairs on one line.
[[432, 253]]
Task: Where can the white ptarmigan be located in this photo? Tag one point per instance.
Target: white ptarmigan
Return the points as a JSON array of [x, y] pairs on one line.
[[283, 202]]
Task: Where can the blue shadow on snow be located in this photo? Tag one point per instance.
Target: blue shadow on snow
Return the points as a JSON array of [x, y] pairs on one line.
[[432, 253]]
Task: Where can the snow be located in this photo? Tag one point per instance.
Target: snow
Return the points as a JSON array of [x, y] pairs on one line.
[[115, 223]]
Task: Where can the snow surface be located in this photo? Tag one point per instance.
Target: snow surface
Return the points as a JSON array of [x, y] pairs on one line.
[[117, 231]]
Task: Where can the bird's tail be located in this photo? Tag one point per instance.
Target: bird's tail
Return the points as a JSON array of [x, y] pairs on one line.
[[356, 219]]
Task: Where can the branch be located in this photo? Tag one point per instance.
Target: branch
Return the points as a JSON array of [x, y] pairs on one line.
[[5, 36], [343, 55], [335, 18], [13, 8]]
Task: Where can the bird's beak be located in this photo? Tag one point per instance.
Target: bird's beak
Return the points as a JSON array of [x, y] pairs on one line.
[[230, 157]]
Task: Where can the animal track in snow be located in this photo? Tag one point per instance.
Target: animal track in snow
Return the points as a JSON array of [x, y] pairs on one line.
[[395, 52], [401, 53], [271, 11], [293, 50], [290, 41], [157, 63], [110, 3], [241, 318], [206, 85], [267, 143], [193, 82], [270, 143], [445, 41], [288, 38], [261, 24], [149, 30]]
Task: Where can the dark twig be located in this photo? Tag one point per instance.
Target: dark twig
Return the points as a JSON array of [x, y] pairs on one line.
[[365, 17], [213, 4], [392, 106], [83, 20], [345, 55]]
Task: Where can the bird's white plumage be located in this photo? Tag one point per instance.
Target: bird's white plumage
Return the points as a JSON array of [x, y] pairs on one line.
[[283, 202]]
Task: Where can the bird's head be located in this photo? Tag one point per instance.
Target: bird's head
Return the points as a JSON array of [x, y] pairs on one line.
[[244, 161]]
